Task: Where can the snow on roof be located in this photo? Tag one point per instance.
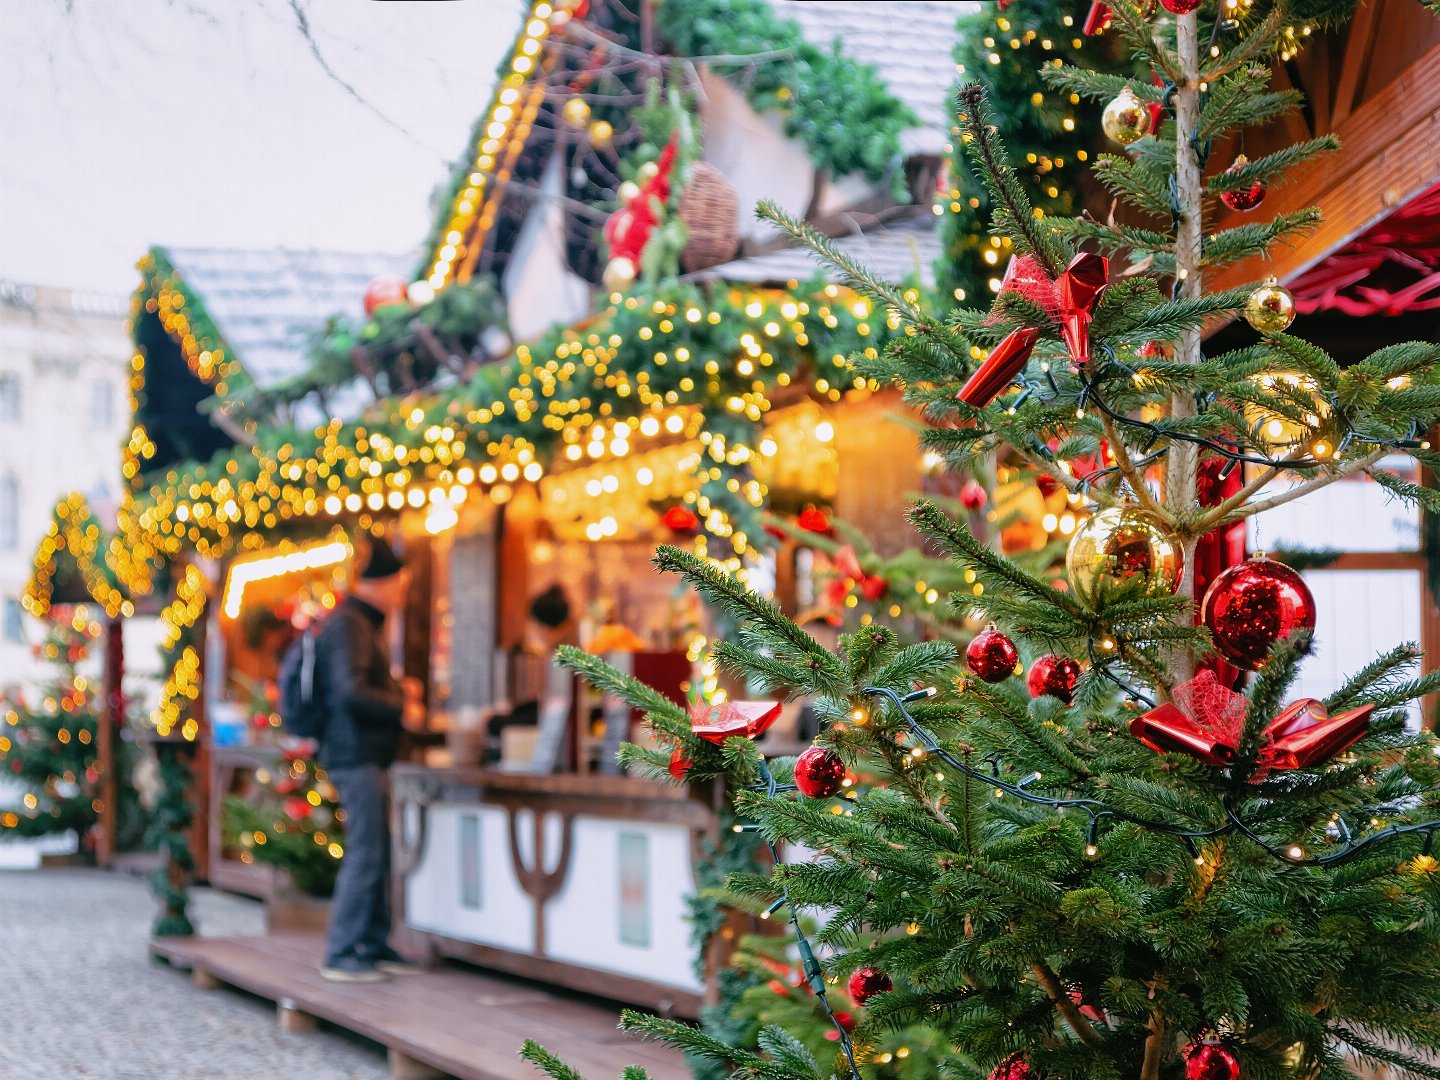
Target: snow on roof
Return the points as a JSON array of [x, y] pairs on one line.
[[899, 253]]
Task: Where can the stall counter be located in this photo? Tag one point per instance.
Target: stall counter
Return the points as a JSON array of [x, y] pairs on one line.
[[576, 880]]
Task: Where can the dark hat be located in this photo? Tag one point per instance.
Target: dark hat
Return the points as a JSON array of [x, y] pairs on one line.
[[381, 562], [551, 608]]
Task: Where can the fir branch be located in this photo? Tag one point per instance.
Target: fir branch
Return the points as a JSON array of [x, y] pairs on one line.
[[1124, 178], [1265, 169], [1240, 99], [1378, 671], [1117, 237], [825, 672], [1405, 490], [1380, 1054], [1014, 216], [1167, 321], [547, 1062], [863, 280], [608, 679], [932, 521], [1098, 85], [1256, 238], [1395, 360]]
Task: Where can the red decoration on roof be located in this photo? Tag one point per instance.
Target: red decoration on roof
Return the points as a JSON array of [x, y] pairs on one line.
[[1391, 269]]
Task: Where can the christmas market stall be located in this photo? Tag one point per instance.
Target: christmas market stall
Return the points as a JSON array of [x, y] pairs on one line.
[[528, 484]]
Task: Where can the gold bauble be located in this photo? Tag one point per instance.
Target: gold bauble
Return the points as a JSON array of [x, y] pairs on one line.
[[1276, 430], [647, 172], [576, 112], [1122, 553], [1270, 308], [620, 274], [1126, 119], [601, 132]]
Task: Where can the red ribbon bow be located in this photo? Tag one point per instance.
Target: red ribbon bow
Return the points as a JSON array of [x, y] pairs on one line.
[[1205, 721], [1071, 299], [1098, 19], [1079, 288], [717, 722]]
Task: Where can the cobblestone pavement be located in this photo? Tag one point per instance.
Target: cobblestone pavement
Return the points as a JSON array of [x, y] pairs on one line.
[[82, 1000]]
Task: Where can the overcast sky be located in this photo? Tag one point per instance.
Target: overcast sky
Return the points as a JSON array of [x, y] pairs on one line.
[[125, 123]]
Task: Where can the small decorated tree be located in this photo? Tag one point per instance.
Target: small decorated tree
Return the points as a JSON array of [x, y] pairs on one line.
[[291, 820], [48, 743]]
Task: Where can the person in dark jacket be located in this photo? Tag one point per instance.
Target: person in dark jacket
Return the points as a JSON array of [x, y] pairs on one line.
[[366, 706]]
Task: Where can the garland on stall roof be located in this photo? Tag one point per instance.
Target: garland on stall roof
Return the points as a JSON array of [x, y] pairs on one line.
[[712, 361]]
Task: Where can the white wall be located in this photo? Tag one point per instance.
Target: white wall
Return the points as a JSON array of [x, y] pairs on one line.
[[540, 287], [70, 354]]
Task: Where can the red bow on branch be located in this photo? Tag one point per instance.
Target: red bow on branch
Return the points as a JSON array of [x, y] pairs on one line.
[[1205, 721], [717, 722], [1070, 299], [1098, 19], [850, 574]]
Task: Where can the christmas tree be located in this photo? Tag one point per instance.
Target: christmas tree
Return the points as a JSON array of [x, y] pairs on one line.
[[291, 820], [1150, 862], [50, 747]]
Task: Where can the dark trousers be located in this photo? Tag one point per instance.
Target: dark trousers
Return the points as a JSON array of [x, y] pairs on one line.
[[360, 911]]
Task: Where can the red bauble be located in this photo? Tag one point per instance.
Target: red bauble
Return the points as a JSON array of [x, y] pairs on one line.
[[1015, 1067], [1245, 198], [1210, 1061], [992, 656], [297, 809], [867, 982], [1250, 607], [1181, 7], [385, 291], [681, 519], [813, 520], [972, 495], [819, 772], [1055, 676]]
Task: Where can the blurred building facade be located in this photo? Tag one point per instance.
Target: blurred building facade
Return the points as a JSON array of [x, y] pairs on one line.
[[64, 366]]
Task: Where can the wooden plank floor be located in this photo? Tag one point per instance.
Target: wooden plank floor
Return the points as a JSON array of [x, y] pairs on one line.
[[459, 1021]]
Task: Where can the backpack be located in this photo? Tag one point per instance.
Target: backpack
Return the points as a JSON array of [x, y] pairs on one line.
[[303, 712]]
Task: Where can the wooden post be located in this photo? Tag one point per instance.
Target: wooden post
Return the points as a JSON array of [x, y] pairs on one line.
[[111, 719]]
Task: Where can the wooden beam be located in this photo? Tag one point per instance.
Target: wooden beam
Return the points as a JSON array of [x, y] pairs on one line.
[[1359, 47], [1390, 152]]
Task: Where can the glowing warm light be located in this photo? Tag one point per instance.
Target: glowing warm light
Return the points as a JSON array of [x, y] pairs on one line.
[[247, 572]]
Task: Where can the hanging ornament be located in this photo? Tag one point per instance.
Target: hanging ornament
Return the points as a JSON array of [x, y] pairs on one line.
[[1015, 1067], [628, 191], [1053, 676], [722, 720], [1126, 119], [1250, 607], [816, 521], [1209, 1060], [973, 496], [1123, 553], [866, 982], [1180, 7], [992, 656], [601, 132], [681, 519], [1245, 198], [648, 171], [386, 292], [620, 274], [1270, 308], [819, 772], [576, 112]]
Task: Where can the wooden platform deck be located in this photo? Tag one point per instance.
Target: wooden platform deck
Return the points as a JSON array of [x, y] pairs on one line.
[[451, 1021]]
